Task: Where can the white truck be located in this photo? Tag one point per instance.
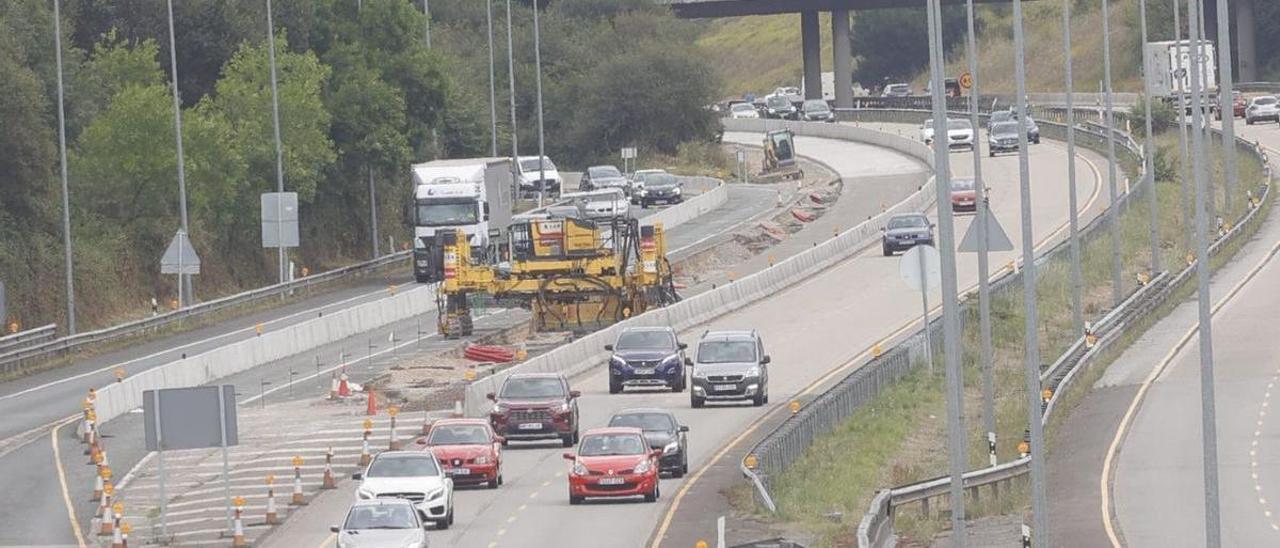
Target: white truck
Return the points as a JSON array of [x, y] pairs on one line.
[[1171, 70], [472, 194]]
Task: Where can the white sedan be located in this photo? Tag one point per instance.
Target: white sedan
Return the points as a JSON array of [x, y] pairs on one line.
[[743, 110]]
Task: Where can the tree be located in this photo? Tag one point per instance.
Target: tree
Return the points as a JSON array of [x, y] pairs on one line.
[[894, 43]]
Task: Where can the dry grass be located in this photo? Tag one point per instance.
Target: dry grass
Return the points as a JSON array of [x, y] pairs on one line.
[[757, 54]]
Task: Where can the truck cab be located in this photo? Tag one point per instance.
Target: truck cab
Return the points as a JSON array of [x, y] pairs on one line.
[[472, 195]]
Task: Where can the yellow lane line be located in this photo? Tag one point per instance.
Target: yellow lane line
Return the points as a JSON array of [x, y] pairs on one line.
[[62, 481]]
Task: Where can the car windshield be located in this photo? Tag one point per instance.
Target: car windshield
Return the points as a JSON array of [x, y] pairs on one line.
[[743, 107], [726, 351], [660, 179], [816, 106], [381, 516], [1001, 116], [778, 101], [910, 221], [533, 388], [646, 340], [961, 184], [959, 124], [652, 422], [603, 172], [459, 434], [1265, 101], [403, 466], [600, 445], [531, 164], [447, 214], [1005, 129]]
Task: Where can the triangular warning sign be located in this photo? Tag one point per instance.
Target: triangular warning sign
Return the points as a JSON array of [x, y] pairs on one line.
[[180, 257], [997, 240]]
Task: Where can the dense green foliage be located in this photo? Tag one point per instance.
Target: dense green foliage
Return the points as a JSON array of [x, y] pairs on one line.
[[361, 97], [892, 44]]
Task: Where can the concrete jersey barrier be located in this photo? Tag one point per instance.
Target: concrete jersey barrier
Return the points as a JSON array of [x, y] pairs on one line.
[[587, 352]]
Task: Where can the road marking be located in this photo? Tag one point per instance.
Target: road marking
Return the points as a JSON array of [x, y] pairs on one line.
[[1253, 460], [523, 506], [687, 485], [328, 541], [1158, 370], [62, 481], [511, 519], [502, 531]]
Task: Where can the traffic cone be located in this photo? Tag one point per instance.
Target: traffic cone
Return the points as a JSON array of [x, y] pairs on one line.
[[298, 499], [426, 422], [97, 488], [344, 388], [333, 386], [272, 517], [117, 538], [108, 520], [364, 445], [237, 534], [372, 407], [328, 471]]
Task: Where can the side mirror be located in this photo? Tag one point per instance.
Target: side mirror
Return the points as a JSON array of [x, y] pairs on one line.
[[688, 362], [334, 528], [357, 476], [608, 347], [684, 428], [569, 456], [491, 396], [933, 225], [682, 346], [499, 439], [574, 394], [421, 441], [656, 453], [765, 359]]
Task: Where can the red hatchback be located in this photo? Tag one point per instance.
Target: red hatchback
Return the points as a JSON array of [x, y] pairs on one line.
[[468, 450], [613, 462], [964, 196]]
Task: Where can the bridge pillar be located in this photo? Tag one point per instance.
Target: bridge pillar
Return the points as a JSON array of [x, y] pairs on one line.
[[843, 53], [811, 49], [1247, 52]]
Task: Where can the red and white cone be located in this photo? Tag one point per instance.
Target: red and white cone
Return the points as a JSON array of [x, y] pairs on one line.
[[426, 422], [333, 386], [364, 450], [298, 498], [344, 387], [272, 516], [395, 439], [108, 519], [237, 533], [88, 428], [117, 538], [328, 482], [97, 487]]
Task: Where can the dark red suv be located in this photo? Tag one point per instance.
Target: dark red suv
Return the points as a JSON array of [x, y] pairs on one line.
[[535, 406]]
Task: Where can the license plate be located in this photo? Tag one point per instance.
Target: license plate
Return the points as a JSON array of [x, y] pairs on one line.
[[530, 426], [457, 471], [612, 481], [725, 387], [644, 371]]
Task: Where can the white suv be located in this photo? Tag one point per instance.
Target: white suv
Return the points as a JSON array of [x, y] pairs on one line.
[[413, 476], [1262, 108]]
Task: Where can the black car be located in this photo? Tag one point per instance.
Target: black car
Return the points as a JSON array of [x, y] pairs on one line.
[[1002, 137], [817, 110], [661, 187], [663, 432], [1002, 116], [777, 106], [906, 231], [647, 357]]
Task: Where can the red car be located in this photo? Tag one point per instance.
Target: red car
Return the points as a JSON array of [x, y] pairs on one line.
[[1238, 105], [964, 196], [613, 462], [535, 406], [468, 450]]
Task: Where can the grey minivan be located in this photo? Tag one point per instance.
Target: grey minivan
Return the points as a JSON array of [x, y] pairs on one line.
[[729, 366]]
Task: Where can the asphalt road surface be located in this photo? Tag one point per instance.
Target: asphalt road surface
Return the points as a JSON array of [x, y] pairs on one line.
[[1157, 488], [813, 331]]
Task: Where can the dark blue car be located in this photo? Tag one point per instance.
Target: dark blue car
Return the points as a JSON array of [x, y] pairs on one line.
[[647, 357]]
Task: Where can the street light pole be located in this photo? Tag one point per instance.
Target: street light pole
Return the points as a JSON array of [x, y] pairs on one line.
[[984, 273], [62, 156], [1113, 214], [1077, 276], [1148, 148], [1226, 102], [426, 10], [493, 104], [184, 281], [1185, 157], [956, 446], [511, 83], [542, 153], [275, 120]]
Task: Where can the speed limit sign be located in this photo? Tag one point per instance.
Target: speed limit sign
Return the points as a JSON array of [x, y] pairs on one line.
[[966, 80]]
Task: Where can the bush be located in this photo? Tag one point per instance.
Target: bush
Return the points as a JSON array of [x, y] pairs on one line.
[[1163, 117]]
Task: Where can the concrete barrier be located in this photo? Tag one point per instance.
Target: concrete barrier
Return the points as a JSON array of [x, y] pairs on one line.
[[588, 352]]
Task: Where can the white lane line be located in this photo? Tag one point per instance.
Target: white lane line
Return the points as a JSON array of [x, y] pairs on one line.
[[1255, 470]]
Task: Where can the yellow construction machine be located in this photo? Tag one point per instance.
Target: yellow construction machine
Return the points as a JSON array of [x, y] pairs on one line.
[[573, 274]]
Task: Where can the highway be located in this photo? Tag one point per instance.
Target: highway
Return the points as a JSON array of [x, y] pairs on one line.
[[33, 405], [1154, 460], [799, 326]]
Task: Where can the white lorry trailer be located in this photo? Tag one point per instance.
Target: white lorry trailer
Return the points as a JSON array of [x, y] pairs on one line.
[[472, 194], [1171, 70]]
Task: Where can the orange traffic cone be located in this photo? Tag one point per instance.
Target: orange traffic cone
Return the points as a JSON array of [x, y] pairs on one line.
[[344, 388], [328, 482], [372, 408]]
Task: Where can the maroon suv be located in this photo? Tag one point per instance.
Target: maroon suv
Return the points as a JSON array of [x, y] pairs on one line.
[[535, 406]]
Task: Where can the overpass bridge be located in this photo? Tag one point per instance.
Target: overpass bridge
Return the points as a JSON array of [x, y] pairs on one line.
[[810, 36]]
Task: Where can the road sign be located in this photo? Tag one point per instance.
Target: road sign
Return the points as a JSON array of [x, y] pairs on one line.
[[966, 80], [180, 257], [628, 153], [997, 240], [189, 417], [910, 267], [279, 219]]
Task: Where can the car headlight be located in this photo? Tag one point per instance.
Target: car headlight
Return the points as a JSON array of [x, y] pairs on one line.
[[366, 494], [579, 469], [672, 360], [677, 190], [498, 409], [698, 374], [643, 467], [671, 448], [482, 460], [754, 371], [564, 407], [435, 494], [616, 361]]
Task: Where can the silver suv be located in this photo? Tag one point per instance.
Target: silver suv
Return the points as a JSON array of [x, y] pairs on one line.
[[1262, 108], [729, 365]]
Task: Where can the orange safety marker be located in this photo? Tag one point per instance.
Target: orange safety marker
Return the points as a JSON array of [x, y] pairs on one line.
[[237, 531], [272, 517], [104, 504], [372, 407], [298, 498], [364, 447], [328, 471], [125, 529]]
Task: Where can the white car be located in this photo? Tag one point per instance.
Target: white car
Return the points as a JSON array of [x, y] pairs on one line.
[[790, 93], [385, 522], [1264, 107], [959, 133], [743, 110], [411, 475], [529, 172], [605, 203], [926, 132]]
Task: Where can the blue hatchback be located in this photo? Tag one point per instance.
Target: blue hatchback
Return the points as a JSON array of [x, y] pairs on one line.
[[647, 357]]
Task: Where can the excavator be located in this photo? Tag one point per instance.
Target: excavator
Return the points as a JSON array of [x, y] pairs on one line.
[[574, 274], [780, 156]]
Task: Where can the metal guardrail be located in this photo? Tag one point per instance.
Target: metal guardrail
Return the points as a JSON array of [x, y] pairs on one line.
[[15, 359], [9, 343]]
